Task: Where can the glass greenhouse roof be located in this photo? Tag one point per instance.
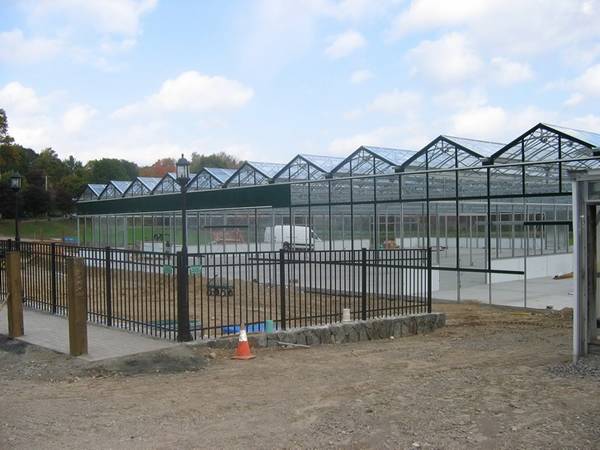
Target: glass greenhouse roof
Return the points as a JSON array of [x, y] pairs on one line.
[[219, 173], [325, 163], [267, 168], [396, 156], [149, 182], [586, 136], [96, 188], [121, 186], [552, 151], [484, 148]]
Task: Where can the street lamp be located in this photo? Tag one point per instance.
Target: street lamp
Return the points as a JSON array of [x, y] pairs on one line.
[[15, 184], [182, 174]]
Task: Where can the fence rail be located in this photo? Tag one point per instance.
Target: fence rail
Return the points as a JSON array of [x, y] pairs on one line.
[[141, 291]]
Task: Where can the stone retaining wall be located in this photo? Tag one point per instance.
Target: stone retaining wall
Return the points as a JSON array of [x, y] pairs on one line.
[[340, 333]]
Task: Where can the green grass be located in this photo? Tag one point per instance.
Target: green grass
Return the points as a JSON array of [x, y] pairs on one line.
[[40, 229]]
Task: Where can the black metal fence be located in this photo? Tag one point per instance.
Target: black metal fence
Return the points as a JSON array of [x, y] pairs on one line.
[[141, 291]]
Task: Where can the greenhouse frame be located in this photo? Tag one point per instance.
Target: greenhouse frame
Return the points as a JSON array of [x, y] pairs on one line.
[[485, 208]]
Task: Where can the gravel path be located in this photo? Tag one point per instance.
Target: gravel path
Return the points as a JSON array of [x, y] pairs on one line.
[[493, 378]]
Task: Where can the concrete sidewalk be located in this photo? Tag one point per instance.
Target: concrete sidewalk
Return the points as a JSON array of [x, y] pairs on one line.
[[541, 293], [52, 332]]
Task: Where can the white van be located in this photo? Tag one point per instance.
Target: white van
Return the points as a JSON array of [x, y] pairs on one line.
[[291, 237]]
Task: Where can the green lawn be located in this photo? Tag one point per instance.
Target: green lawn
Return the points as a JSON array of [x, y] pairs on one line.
[[40, 229]]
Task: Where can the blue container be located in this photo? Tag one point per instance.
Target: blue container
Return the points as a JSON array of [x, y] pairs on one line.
[[250, 328]]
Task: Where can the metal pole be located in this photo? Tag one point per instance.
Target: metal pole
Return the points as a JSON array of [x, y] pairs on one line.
[[183, 317], [53, 275], [108, 281], [282, 305], [489, 236], [555, 230], [17, 235], [78, 232], [363, 308], [512, 231], [525, 267], [470, 240]]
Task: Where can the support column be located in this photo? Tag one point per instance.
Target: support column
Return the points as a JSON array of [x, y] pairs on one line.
[[77, 298], [15, 295]]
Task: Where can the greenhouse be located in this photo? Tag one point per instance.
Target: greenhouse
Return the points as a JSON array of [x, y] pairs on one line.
[[485, 208]]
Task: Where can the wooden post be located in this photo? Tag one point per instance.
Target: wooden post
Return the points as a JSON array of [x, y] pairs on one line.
[[15, 295], [77, 295]]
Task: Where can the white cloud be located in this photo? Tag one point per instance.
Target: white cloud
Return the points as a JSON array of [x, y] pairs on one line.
[[28, 114], [191, 91], [344, 44], [356, 9], [411, 135], [479, 122], [72, 128], [396, 102], [458, 99], [448, 59], [360, 76], [589, 122], [426, 14], [105, 16], [585, 86], [554, 27], [589, 82], [84, 31], [76, 117], [498, 123], [16, 48], [574, 100], [506, 72], [18, 99]]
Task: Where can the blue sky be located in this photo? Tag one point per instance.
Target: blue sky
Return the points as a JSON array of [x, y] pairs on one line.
[[265, 80]]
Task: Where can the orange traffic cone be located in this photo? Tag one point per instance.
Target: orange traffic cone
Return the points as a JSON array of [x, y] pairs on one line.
[[243, 348]]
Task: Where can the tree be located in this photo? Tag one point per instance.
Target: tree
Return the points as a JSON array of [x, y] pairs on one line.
[[159, 169], [106, 169], [63, 200], [36, 200], [4, 136], [15, 158], [220, 159], [50, 165]]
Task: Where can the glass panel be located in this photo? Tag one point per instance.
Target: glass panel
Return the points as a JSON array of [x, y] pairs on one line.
[[442, 184], [299, 193], [541, 178], [340, 191], [413, 186], [388, 187], [363, 189]]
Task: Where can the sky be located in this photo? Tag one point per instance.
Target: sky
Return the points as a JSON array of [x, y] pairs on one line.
[[265, 80]]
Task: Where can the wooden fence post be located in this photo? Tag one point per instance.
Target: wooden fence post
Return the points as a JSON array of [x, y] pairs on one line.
[[14, 301], [77, 298]]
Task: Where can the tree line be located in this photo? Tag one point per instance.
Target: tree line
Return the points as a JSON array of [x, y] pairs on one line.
[[51, 185]]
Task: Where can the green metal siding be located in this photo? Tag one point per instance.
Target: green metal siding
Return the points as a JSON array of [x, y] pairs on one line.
[[274, 195]]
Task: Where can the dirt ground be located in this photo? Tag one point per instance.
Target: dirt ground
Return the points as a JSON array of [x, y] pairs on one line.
[[492, 378]]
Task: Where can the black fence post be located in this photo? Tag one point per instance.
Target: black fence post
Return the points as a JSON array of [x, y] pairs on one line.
[[183, 309], [282, 310], [429, 280], [363, 288], [53, 276], [108, 286]]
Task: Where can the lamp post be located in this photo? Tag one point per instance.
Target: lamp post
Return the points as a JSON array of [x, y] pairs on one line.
[[15, 185], [182, 174]]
